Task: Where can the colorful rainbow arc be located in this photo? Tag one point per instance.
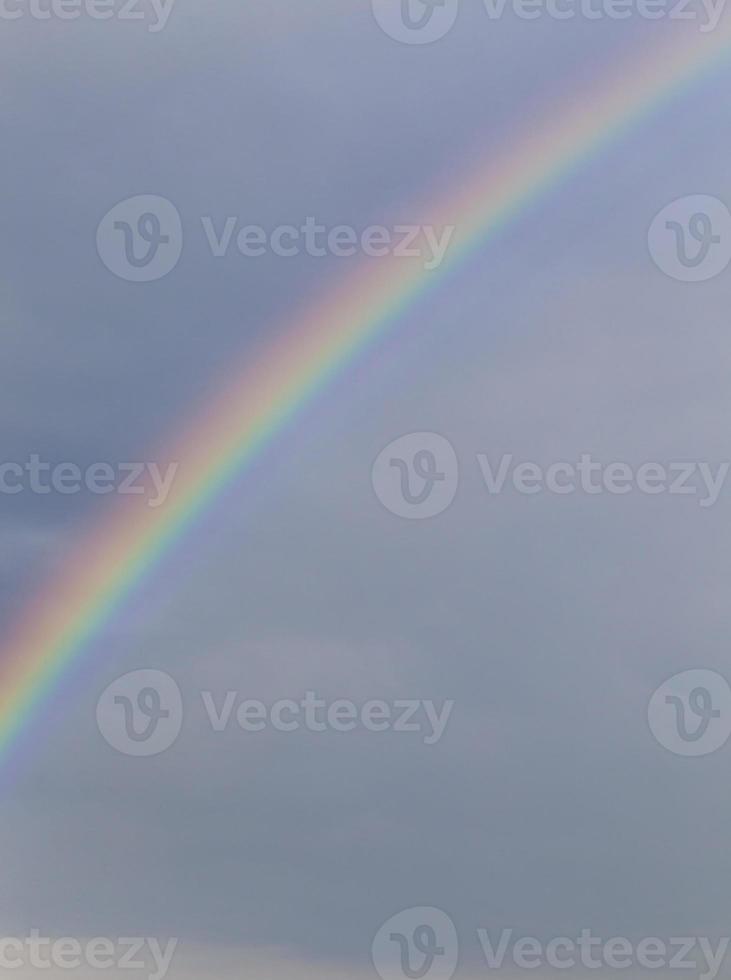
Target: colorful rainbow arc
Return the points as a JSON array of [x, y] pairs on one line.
[[55, 628]]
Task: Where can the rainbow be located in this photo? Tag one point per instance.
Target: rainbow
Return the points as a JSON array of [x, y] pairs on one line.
[[56, 627]]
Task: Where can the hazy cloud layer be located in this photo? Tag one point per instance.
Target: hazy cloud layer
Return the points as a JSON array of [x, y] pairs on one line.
[[547, 806]]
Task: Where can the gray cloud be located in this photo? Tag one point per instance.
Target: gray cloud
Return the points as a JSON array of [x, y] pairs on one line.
[[547, 806]]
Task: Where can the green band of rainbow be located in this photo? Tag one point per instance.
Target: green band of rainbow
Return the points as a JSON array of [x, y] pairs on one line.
[[272, 388]]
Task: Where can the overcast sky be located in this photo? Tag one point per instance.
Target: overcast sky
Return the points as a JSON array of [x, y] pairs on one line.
[[547, 805]]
